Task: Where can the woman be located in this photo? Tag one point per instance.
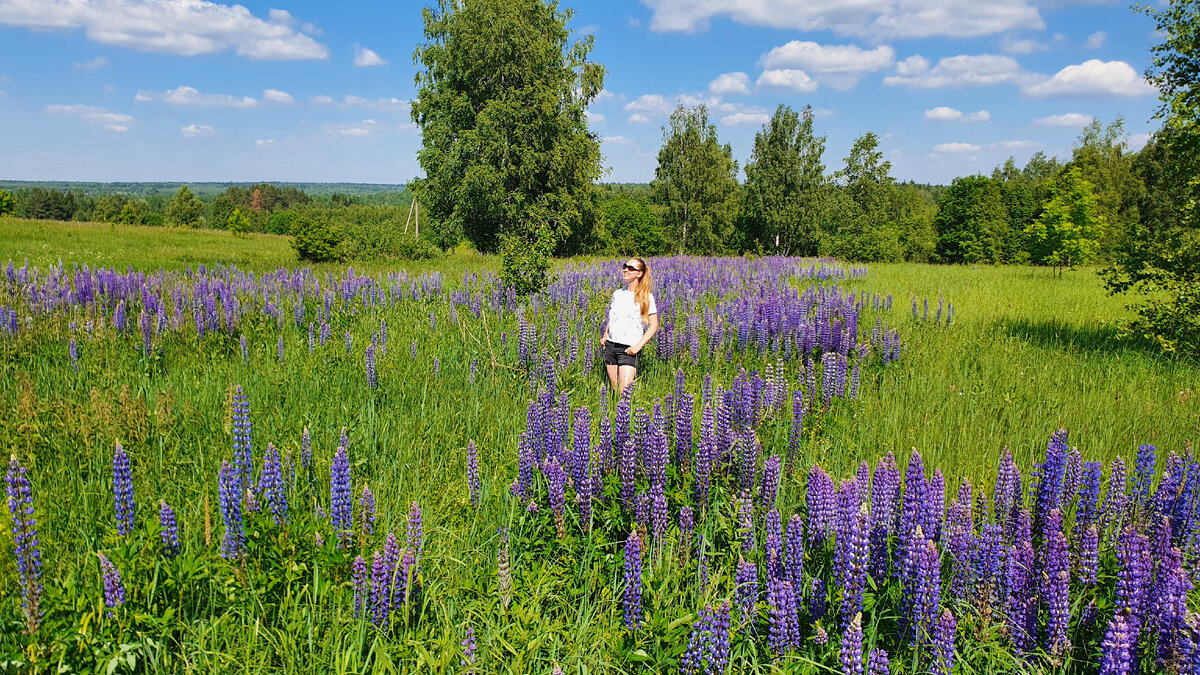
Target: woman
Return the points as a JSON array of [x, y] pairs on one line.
[[624, 334]]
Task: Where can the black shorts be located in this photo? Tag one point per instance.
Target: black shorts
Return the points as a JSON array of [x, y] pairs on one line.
[[614, 355]]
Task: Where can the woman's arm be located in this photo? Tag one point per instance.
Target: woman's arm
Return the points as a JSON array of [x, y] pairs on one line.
[[604, 335], [634, 349]]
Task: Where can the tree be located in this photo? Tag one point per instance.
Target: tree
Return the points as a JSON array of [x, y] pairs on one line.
[[107, 208], [185, 209], [783, 181], [971, 222], [8, 205], [135, 212], [863, 226], [1101, 155], [501, 104], [1159, 260], [631, 227], [1068, 231], [696, 182], [238, 223], [317, 239]]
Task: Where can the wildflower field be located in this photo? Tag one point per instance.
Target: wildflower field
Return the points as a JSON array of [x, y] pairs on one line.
[[822, 468]]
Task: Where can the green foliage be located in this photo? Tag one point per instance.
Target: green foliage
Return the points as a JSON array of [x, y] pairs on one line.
[[861, 223], [8, 205], [972, 222], [282, 222], [696, 183], [316, 239], [221, 209], [185, 209], [501, 103], [1068, 231], [107, 208], [43, 204], [238, 223], [783, 181], [1101, 156], [134, 212], [631, 227]]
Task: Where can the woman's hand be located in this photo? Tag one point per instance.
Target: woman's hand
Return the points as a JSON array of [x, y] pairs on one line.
[[603, 340], [632, 350]]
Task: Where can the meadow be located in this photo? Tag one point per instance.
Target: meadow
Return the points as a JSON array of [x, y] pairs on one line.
[[541, 523]]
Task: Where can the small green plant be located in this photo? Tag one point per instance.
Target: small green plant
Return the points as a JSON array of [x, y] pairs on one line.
[[317, 239], [238, 223]]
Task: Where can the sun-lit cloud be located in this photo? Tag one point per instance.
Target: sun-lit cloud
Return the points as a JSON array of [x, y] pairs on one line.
[[945, 114], [1066, 120], [638, 118], [189, 96], [839, 66], [276, 96], [197, 131], [956, 147], [185, 27], [366, 58], [1092, 79], [786, 79], [955, 72], [1096, 40], [91, 64], [730, 83], [93, 115]]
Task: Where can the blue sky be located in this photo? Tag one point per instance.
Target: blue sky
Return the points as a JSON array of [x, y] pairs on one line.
[[291, 90]]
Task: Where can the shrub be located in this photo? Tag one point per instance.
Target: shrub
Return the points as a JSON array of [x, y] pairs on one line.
[[7, 204], [282, 222], [317, 239]]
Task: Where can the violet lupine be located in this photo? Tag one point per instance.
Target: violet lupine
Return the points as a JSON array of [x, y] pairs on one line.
[[1056, 582], [582, 443], [556, 481], [361, 585], [1143, 475], [705, 455], [279, 349], [122, 479], [774, 545], [369, 358], [746, 583], [745, 523], [73, 353], [366, 513], [25, 540], [1072, 475], [229, 483], [633, 581], [877, 663], [473, 473], [885, 497], [416, 536], [683, 427], [1117, 500], [468, 647], [989, 565], [168, 530], [114, 588], [1089, 555], [708, 646], [381, 591], [748, 466], [855, 557], [850, 652], [627, 469], [784, 626], [817, 599], [243, 451], [793, 559], [935, 505], [822, 506], [1117, 650], [341, 508], [270, 484], [1050, 481], [769, 487], [1169, 609], [1007, 494], [1017, 598], [687, 529], [306, 450], [923, 589], [943, 645], [658, 515], [1133, 577]]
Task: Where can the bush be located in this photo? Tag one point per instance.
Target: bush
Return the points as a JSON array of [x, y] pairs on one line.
[[317, 239], [632, 228], [8, 205], [238, 223], [282, 222]]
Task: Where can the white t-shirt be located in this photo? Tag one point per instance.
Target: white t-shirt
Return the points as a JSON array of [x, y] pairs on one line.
[[625, 317]]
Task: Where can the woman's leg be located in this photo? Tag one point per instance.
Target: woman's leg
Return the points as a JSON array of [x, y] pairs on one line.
[[627, 375], [613, 376]]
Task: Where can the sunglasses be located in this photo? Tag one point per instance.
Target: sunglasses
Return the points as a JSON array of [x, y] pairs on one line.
[[631, 268]]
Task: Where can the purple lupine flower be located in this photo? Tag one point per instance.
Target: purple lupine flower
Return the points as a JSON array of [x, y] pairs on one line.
[[1089, 555], [556, 481], [25, 540], [687, 529], [817, 599], [784, 635], [855, 557], [526, 460], [746, 582], [1007, 494], [774, 545], [1050, 481], [1117, 651], [114, 589], [1017, 598], [122, 478], [270, 484], [769, 487], [684, 404], [473, 473], [943, 645], [745, 523], [1169, 610], [341, 506], [705, 455], [877, 663], [885, 497], [935, 505], [369, 358], [1133, 577], [633, 581], [279, 349], [366, 513], [708, 646], [1088, 510], [850, 652], [1072, 475], [989, 565], [168, 530], [393, 558], [1143, 474], [229, 484], [360, 583], [1056, 582], [628, 467], [793, 566], [416, 536], [748, 466], [468, 647], [1116, 502], [658, 514], [822, 506], [381, 593], [243, 451], [923, 589], [73, 353]]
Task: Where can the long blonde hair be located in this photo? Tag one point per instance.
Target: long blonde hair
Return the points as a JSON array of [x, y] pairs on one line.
[[642, 294]]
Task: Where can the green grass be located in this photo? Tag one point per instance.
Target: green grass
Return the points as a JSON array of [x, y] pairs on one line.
[[1027, 353]]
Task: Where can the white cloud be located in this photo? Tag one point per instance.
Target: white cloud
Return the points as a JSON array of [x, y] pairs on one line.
[[745, 119], [638, 118], [653, 104], [619, 140], [730, 83], [944, 114], [1067, 120], [913, 65], [320, 99], [92, 114], [604, 95], [1015, 46], [276, 96], [786, 80], [366, 58], [352, 131], [189, 96], [392, 105], [264, 142], [197, 130], [839, 66], [1096, 40], [187, 27], [874, 19], [595, 118], [1093, 79], [92, 64], [115, 128], [956, 147], [960, 71], [1137, 141]]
